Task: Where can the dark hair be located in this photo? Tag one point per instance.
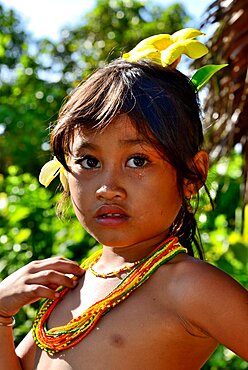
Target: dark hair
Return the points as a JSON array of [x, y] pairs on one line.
[[158, 100]]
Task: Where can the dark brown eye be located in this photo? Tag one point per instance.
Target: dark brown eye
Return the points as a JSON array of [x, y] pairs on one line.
[[89, 162], [137, 161]]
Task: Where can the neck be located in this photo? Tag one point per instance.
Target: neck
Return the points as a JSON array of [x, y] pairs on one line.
[[117, 255]]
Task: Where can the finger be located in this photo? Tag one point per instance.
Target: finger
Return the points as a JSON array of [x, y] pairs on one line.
[[53, 286], [37, 292], [59, 264], [50, 277]]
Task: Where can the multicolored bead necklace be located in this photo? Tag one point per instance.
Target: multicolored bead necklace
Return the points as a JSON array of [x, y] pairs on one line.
[[64, 337], [114, 273]]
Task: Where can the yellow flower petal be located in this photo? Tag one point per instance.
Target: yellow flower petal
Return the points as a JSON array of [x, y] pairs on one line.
[[171, 54], [192, 48], [149, 48], [63, 179], [160, 41], [195, 49], [167, 49], [185, 34], [140, 53], [49, 171]]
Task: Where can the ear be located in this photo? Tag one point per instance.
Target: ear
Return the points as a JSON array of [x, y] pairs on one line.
[[200, 163]]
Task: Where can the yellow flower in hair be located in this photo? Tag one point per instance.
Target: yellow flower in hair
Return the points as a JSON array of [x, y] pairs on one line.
[[50, 170], [167, 49]]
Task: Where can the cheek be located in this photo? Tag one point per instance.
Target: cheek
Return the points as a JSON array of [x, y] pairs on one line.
[[80, 202], [76, 185], [169, 199], [78, 192], [73, 186], [168, 195]]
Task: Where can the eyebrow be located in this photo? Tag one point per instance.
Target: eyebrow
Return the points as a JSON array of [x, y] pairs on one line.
[[87, 145], [83, 145], [123, 142], [129, 142]]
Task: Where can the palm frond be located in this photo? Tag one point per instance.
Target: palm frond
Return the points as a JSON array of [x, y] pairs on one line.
[[226, 104]]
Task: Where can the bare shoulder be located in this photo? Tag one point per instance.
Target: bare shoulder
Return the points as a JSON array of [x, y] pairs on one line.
[[197, 283], [197, 278], [212, 301]]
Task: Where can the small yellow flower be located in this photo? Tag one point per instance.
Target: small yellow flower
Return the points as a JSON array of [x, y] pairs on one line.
[[50, 170], [167, 49]]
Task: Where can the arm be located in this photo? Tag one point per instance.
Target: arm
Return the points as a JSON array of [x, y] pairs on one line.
[[38, 279], [216, 304], [9, 360]]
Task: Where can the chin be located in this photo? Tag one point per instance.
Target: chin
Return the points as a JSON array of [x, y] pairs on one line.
[[114, 240]]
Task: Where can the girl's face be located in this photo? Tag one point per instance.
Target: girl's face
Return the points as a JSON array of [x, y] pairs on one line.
[[123, 192]]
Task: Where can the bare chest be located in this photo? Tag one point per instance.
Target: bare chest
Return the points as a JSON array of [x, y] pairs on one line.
[[142, 332]]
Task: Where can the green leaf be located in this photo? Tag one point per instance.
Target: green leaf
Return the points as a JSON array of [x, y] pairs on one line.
[[203, 75]]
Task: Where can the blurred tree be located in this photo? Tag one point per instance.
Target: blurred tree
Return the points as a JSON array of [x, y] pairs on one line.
[[27, 106], [12, 39], [113, 26], [27, 101], [226, 104]]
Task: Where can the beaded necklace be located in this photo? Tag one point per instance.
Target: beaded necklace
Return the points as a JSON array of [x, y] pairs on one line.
[[113, 273], [63, 337]]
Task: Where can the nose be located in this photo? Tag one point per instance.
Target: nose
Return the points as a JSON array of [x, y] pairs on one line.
[[110, 192]]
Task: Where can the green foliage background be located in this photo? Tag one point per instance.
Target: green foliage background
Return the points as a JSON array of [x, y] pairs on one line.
[[35, 77]]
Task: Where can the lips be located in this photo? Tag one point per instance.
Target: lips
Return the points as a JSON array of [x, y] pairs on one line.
[[111, 215], [110, 211]]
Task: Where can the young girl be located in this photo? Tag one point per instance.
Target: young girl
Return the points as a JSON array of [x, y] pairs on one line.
[[128, 149]]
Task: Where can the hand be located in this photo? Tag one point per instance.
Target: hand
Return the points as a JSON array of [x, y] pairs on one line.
[[38, 279]]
